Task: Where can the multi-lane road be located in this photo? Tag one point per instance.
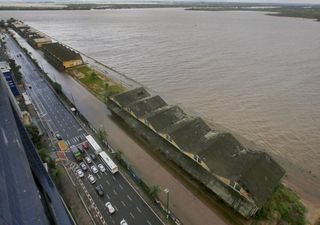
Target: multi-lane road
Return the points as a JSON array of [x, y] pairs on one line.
[[58, 120]]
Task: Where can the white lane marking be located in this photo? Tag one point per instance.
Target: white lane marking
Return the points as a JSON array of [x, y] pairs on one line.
[[107, 182], [68, 142], [113, 178], [139, 210], [124, 204], [131, 215], [129, 198], [115, 192], [149, 222], [108, 196], [120, 187]]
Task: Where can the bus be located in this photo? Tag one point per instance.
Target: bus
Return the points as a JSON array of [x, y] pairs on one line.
[[110, 164], [96, 148]]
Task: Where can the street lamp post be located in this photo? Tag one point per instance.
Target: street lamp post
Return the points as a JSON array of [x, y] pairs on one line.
[[167, 193]]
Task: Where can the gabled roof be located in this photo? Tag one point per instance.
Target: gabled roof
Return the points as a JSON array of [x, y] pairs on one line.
[[126, 98], [255, 171], [61, 52], [146, 105], [188, 136], [164, 119]]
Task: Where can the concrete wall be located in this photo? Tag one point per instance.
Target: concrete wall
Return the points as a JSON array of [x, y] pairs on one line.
[[240, 204]]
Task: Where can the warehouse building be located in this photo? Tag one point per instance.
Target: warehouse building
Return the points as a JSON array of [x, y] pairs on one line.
[[242, 177], [35, 38], [61, 56]]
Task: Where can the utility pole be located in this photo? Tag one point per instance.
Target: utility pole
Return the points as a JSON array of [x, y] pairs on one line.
[[167, 193]]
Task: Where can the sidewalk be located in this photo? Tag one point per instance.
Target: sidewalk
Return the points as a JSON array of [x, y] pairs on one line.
[[185, 204]]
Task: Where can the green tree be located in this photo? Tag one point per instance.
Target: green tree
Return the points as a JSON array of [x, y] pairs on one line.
[[106, 92], [118, 155], [285, 205], [34, 132], [44, 154], [154, 191], [102, 134], [57, 87], [93, 76]]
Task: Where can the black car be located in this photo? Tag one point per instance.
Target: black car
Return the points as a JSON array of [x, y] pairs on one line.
[[80, 149], [99, 190], [58, 136]]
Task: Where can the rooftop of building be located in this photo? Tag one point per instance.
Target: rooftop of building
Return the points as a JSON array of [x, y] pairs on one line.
[[227, 157], [131, 96], [27, 193], [166, 118], [224, 155], [146, 105], [61, 52], [18, 189]]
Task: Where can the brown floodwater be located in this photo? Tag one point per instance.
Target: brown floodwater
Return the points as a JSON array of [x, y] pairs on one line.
[[257, 75]]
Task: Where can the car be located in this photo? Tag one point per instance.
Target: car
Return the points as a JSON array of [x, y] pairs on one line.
[[58, 136], [80, 173], [80, 149], [93, 156], [91, 179], [85, 145], [88, 159], [94, 169], [99, 190], [101, 168], [123, 222], [110, 208], [83, 166]]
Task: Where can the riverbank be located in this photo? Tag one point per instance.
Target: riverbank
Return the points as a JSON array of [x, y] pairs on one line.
[[310, 12]]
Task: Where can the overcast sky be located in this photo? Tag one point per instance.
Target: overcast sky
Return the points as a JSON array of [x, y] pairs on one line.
[[106, 1]]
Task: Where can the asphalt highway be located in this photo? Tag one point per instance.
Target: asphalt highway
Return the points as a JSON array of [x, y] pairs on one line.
[[58, 119]]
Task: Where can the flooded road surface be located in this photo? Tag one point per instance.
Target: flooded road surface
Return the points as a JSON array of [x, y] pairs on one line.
[[257, 75]]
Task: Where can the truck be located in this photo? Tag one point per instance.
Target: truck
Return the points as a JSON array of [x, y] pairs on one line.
[[62, 145], [76, 153], [96, 148]]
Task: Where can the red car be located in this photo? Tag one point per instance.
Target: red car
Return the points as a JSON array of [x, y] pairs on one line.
[[85, 145]]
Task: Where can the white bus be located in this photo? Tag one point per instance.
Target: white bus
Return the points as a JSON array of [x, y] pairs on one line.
[[110, 164], [97, 149]]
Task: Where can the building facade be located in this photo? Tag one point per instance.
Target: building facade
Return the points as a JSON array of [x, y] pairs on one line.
[[243, 178]]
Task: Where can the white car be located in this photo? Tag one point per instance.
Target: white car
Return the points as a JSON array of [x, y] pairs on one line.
[[123, 222], [80, 173], [94, 169], [91, 179], [101, 168], [88, 159], [110, 208]]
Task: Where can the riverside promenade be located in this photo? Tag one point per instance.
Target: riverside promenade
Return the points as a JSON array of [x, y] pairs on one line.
[[187, 207]]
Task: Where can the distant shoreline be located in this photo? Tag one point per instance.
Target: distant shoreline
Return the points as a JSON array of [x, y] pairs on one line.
[[299, 11]]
